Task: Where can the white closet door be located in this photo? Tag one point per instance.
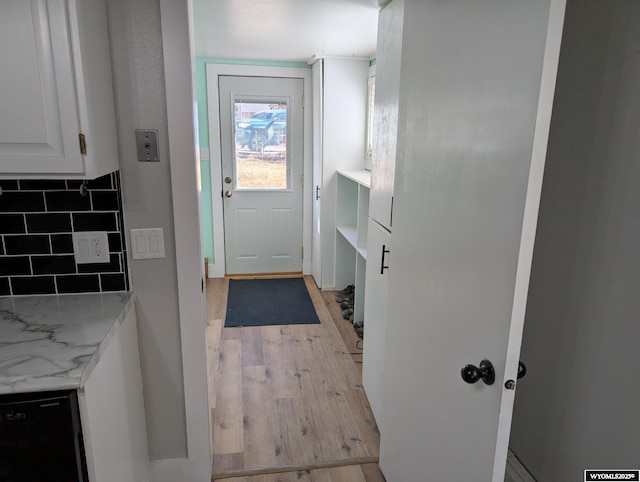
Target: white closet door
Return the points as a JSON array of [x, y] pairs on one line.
[[478, 80]]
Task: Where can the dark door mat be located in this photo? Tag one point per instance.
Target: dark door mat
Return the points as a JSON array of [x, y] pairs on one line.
[[261, 302]]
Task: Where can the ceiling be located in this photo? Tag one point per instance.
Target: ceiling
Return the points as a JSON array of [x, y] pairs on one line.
[[284, 30]]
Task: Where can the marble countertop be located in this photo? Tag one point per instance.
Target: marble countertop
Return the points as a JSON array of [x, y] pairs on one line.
[[54, 342]]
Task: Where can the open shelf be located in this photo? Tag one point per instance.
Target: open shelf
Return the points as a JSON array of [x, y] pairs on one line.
[[350, 234], [352, 211]]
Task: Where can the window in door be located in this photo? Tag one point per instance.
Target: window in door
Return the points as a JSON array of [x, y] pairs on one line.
[[260, 154]]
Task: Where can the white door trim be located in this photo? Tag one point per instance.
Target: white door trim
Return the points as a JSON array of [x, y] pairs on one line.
[[176, 22], [213, 108], [529, 226]]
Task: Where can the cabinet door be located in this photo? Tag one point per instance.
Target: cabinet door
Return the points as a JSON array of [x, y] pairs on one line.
[[112, 411], [385, 121], [39, 126], [375, 315]]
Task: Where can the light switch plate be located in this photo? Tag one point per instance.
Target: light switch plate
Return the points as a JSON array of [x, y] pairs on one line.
[[204, 153], [147, 145], [90, 247], [147, 243]]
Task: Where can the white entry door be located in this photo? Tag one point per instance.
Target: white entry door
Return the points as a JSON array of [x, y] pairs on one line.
[[475, 108], [261, 128]]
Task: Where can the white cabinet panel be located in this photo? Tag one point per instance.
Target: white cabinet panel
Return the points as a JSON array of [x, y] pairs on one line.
[[340, 109], [55, 88], [375, 312], [385, 122], [112, 411]]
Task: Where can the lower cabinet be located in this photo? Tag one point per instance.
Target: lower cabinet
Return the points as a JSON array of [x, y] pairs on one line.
[[375, 313], [112, 411]]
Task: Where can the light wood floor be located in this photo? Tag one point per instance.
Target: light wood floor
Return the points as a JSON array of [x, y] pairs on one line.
[[287, 401]]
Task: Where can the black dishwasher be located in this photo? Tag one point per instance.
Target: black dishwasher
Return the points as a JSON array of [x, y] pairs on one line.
[[41, 439]]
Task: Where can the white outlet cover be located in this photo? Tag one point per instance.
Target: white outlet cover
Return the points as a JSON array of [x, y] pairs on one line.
[[90, 247]]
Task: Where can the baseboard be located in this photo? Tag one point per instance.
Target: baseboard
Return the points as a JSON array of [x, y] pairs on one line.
[[181, 469], [216, 270], [295, 274]]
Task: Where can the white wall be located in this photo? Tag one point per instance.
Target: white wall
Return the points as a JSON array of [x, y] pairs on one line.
[[578, 406], [138, 72]]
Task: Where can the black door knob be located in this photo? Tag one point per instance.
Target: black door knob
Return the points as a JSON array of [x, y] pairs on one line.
[[522, 370], [485, 372]]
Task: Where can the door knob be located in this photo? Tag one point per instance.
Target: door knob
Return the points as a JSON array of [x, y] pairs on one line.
[[228, 194], [522, 370], [472, 373]]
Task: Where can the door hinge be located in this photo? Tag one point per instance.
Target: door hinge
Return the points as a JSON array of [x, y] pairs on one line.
[[302, 252], [391, 213], [303, 101], [83, 144], [302, 180]]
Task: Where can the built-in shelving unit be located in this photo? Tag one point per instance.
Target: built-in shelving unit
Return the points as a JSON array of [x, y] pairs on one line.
[[352, 211]]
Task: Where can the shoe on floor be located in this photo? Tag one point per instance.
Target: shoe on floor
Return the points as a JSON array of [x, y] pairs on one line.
[[346, 304], [345, 293]]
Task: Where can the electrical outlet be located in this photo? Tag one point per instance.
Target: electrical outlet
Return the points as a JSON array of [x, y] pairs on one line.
[[91, 247]]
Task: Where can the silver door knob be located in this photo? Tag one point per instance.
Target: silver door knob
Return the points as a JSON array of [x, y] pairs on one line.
[[228, 194]]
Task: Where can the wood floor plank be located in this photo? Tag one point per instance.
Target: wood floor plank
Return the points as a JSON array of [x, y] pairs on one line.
[[351, 340], [295, 394], [258, 409], [289, 450], [228, 430], [214, 331], [217, 290], [282, 378], [233, 461], [252, 354]]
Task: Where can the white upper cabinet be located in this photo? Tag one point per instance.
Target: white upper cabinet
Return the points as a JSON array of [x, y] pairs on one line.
[[385, 118], [56, 98]]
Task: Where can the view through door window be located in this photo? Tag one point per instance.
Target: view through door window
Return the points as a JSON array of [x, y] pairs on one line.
[[261, 161]]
